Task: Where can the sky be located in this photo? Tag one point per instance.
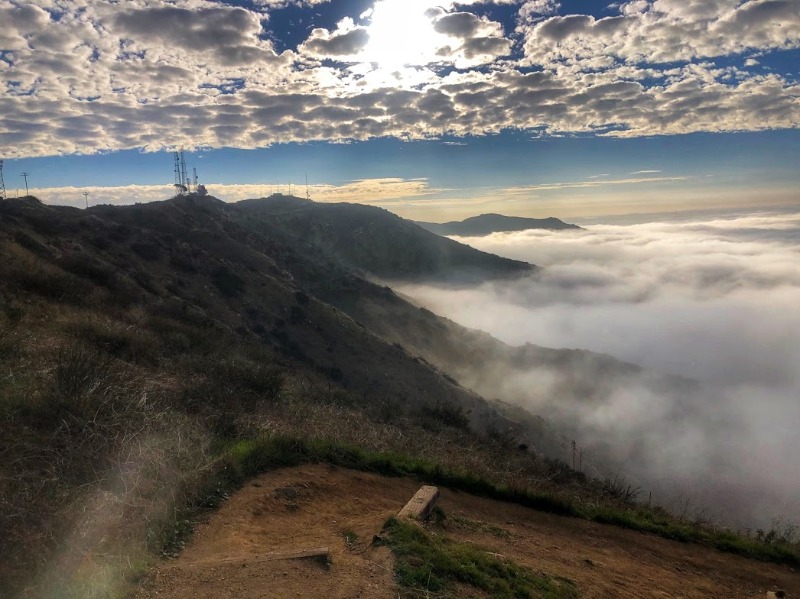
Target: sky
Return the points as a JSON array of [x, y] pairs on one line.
[[433, 109], [711, 298]]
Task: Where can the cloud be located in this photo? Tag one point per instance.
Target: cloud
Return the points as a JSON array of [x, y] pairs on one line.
[[666, 31], [86, 77], [534, 9], [592, 182], [347, 41], [220, 30], [713, 300]]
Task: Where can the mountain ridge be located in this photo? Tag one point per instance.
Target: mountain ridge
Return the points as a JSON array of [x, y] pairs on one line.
[[486, 224]]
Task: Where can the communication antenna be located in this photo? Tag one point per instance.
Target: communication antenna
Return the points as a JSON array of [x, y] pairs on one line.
[[86, 198], [180, 174], [177, 159], [25, 176], [2, 183], [184, 177], [194, 182]]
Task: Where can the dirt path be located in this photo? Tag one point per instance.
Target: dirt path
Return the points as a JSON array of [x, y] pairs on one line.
[[313, 506]]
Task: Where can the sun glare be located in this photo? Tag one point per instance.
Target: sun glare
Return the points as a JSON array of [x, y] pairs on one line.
[[401, 34]]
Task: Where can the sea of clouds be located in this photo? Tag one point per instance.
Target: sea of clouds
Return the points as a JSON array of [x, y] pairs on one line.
[[715, 299]]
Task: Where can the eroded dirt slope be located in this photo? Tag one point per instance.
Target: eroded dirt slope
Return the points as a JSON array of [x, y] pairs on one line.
[[232, 554]]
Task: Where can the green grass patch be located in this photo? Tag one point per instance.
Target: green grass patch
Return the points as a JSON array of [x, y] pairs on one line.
[[251, 457], [427, 563]]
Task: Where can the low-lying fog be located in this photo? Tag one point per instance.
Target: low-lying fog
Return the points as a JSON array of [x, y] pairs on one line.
[[716, 300]]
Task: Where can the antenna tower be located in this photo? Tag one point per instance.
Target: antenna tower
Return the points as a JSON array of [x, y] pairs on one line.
[[2, 183], [178, 182], [308, 197], [184, 176], [194, 181], [25, 176], [86, 197]]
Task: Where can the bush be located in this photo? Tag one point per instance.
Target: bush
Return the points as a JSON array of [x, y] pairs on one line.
[[228, 282], [444, 414], [50, 283], [146, 250], [88, 267], [297, 315]]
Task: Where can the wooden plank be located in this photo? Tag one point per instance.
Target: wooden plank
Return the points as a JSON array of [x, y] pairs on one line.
[[421, 505], [318, 554]]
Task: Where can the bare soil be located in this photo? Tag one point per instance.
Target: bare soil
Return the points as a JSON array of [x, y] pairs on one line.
[[233, 553]]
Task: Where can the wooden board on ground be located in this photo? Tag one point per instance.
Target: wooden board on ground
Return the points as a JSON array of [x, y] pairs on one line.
[[421, 505]]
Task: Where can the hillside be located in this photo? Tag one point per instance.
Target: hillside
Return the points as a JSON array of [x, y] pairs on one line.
[[137, 341], [578, 378], [486, 224], [374, 240], [312, 506], [153, 357]]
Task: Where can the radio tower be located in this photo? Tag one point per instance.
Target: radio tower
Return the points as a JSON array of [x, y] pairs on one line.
[[194, 179], [181, 180], [184, 176], [2, 183], [308, 197], [178, 182]]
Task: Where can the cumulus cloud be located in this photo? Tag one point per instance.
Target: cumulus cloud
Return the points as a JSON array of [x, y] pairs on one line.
[[666, 31], [346, 41], [90, 76], [711, 300]]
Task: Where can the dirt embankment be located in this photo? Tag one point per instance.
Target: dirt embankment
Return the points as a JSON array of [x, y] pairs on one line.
[[236, 552]]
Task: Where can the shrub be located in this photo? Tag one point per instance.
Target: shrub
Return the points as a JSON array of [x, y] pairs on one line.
[[444, 414], [50, 283], [88, 267], [227, 282], [146, 250], [297, 315]]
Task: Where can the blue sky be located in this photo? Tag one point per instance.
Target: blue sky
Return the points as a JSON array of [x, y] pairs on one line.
[[434, 110]]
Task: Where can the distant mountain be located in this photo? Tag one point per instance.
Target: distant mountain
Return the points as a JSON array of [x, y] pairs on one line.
[[486, 224], [375, 241]]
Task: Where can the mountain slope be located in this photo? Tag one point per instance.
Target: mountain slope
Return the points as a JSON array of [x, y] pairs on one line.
[[376, 241], [193, 252], [154, 356], [486, 224], [576, 379]]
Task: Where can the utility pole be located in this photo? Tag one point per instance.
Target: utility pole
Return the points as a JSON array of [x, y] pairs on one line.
[[86, 197], [25, 176]]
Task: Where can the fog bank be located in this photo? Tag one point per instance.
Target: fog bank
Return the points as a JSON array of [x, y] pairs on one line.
[[716, 300]]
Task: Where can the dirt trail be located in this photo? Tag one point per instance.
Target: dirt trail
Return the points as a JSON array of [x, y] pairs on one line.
[[313, 506]]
